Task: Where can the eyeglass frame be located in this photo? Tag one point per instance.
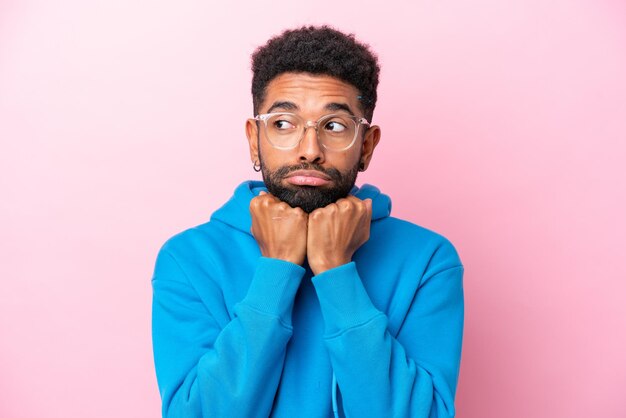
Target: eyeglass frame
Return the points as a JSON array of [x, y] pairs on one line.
[[313, 124]]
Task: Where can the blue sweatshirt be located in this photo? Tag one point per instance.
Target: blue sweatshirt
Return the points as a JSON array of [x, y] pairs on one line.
[[236, 334]]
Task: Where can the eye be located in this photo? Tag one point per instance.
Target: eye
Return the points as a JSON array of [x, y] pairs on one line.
[[283, 124], [335, 126]]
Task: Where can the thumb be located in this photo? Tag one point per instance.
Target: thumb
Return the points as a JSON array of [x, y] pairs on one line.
[[262, 193]]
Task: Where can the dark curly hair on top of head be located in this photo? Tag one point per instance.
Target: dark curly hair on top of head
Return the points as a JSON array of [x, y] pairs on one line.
[[317, 50]]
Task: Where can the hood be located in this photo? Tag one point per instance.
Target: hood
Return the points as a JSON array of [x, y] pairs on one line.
[[236, 211]]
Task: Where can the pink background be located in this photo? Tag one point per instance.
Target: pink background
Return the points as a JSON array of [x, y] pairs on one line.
[[504, 129]]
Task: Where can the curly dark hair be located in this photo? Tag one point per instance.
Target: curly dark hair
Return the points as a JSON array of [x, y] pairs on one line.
[[317, 50]]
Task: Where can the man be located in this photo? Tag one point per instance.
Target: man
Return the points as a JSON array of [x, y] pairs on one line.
[[302, 296]]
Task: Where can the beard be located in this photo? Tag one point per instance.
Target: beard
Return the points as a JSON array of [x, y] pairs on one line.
[[309, 198]]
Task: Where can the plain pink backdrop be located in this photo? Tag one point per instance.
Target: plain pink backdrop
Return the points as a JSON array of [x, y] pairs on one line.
[[504, 129]]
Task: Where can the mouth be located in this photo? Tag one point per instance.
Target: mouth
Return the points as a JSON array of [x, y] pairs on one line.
[[308, 178]]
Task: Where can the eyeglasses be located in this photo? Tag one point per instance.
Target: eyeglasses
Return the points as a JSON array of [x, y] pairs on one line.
[[336, 132]]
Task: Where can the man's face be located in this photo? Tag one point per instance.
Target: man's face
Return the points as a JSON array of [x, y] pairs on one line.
[[310, 97]]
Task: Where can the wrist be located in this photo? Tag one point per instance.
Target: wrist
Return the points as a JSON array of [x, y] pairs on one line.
[[283, 257], [320, 266], [289, 259]]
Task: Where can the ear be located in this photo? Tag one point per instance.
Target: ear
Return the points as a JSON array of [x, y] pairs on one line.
[[252, 132], [372, 136]]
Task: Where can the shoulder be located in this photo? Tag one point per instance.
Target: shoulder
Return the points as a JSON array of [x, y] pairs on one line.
[[434, 249], [190, 238], [190, 246]]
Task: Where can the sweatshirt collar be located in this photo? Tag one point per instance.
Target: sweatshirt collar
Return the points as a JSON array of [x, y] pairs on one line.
[[236, 211]]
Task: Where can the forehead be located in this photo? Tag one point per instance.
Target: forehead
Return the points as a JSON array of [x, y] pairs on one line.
[[311, 93]]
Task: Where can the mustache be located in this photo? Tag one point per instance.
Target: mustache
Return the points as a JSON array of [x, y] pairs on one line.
[[333, 173]]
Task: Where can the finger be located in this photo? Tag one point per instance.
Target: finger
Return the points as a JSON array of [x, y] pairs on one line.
[[314, 214], [262, 193], [345, 204], [298, 210]]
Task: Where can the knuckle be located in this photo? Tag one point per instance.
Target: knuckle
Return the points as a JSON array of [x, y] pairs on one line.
[[345, 205]]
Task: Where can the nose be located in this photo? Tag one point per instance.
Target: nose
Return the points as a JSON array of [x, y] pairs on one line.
[[309, 148]]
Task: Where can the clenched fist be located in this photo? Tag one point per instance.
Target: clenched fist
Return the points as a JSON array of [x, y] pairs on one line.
[[279, 229], [336, 231]]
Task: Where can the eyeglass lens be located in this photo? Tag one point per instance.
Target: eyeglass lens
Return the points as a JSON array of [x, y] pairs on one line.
[[334, 131]]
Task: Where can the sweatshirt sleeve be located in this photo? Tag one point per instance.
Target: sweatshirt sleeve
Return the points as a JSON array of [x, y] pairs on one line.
[[412, 375], [207, 370]]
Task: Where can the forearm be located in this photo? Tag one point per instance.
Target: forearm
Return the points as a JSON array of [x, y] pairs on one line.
[[232, 371], [238, 375], [377, 375]]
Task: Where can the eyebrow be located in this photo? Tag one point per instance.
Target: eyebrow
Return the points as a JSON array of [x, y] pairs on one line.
[[339, 106], [286, 105], [283, 105]]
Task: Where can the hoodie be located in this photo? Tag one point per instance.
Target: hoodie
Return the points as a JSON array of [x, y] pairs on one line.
[[237, 334]]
